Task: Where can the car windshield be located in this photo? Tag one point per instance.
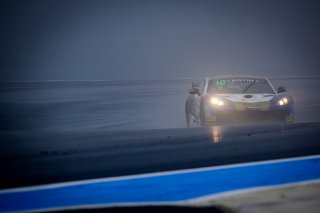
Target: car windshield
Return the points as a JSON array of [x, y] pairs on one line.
[[239, 86]]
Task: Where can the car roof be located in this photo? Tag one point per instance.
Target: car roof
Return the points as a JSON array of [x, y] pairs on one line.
[[237, 76]]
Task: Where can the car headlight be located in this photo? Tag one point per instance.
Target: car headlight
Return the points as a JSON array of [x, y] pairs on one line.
[[283, 101], [216, 101]]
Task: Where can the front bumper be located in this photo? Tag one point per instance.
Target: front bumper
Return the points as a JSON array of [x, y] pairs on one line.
[[247, 112], [248, 117]]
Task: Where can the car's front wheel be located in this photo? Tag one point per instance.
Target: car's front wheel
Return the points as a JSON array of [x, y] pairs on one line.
[[191, 119], [202, 114], [188, 117]]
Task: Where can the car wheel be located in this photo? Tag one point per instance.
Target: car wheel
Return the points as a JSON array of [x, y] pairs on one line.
[[187, 116], [202, 115]]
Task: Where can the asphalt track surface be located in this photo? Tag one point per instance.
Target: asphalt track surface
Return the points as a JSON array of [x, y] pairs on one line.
[[66, 131], [33, 158], [121, 105]]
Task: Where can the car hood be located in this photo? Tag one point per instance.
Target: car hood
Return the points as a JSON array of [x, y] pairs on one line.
[[247, 98]]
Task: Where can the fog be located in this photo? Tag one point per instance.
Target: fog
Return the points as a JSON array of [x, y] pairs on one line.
[[124, 39], [145, 54], [119, 105]]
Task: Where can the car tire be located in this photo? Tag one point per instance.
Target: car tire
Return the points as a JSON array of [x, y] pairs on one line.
[[187, 116], [202, 115]]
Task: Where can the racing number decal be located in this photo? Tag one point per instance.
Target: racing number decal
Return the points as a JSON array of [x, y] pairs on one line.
[[221, 82]]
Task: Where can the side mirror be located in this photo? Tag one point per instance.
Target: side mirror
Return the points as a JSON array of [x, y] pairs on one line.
[[281, 89], [194, 91]]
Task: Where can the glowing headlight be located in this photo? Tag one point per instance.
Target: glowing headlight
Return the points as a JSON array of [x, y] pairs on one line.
[[283, 101], [216, 101]]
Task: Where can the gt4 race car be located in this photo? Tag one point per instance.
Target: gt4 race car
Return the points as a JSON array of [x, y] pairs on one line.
[[237, 100]]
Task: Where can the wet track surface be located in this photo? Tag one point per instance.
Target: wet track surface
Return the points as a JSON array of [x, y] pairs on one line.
[[120, 105], [57, 132], [31, 158]]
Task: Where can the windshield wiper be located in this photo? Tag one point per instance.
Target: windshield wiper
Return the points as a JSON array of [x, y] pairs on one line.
[[248, 87]]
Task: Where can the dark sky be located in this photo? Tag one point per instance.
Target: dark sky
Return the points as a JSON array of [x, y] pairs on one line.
[[133, 39]]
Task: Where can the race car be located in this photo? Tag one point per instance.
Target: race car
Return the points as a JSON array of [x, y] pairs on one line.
[[234, 99]]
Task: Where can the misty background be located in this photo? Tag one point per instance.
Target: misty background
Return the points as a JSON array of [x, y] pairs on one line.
[[148, 39], [128, 64]]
